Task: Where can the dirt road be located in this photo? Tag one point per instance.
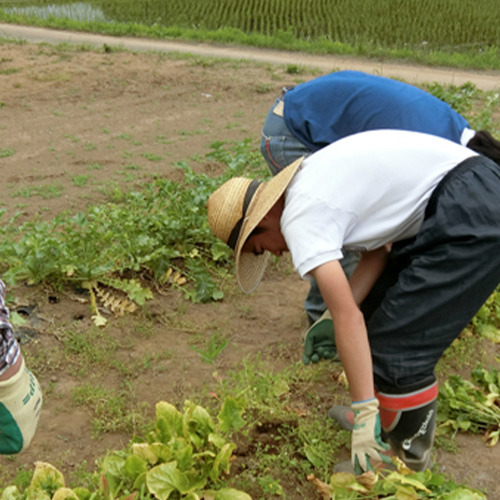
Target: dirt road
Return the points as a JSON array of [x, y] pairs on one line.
[[412, 74]]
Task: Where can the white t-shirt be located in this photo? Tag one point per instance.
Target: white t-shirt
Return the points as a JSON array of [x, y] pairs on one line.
[[362, 192]]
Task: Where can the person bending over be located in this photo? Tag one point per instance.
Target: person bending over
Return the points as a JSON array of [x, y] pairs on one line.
[[424, 213], [312, 115]]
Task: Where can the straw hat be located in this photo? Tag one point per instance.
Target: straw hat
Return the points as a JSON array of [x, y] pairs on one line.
[[236, 209]]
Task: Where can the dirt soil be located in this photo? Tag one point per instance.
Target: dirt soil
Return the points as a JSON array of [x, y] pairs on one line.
[[107, 117]]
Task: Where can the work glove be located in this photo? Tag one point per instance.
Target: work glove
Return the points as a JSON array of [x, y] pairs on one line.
[[20, 405], [367, 444], [319, 341]]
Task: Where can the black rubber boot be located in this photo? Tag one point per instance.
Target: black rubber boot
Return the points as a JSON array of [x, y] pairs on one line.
[[409, 423]]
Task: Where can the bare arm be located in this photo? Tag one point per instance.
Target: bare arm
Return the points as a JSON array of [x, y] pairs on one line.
[[350, 329], [367, 272]]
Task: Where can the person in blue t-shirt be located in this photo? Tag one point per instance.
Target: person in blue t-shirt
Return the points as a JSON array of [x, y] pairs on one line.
[[312, 115]]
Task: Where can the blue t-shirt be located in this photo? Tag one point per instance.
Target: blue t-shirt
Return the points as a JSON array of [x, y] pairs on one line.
[[340, 104]]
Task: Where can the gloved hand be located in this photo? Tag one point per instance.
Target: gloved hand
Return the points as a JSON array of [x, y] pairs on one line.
[[21, 402], [367, 443], [319, 341]]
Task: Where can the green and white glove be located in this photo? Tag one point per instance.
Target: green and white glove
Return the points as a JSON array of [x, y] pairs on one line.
[[319, 341], [20, 406], [367, 443]]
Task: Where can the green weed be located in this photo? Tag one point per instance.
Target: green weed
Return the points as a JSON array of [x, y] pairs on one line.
[[89, 350], [83, 478], [80, 180], [162, 139], [264, 88], [293, 69], [464, 352], [188, 133], [23, 478], [150, 361], [215, 345], [461, 99], [6, 152], [127, 177], [111, 410], [46, 191], [270, 486], [123, 136], [10, 71], [94, 166], [72, 138], [152, 157]]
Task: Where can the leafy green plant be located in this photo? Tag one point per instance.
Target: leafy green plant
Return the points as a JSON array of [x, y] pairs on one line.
[[160, 227], [400, 484], [486, 322], [472, 405], [460, 98], [186, 456]]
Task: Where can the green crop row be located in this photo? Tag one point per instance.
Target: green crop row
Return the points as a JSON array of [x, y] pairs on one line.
[[449, 25]]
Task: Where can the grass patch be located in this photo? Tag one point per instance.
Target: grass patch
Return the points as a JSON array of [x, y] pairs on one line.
[[111, 410], [47, 191]]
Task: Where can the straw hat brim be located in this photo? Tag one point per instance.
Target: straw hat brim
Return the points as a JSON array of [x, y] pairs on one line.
[[250, 267]]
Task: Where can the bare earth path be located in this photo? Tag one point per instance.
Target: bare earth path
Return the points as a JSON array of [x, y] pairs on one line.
[[413, 74]]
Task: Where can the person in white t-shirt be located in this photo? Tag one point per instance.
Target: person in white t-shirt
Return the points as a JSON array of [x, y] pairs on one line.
[[425, 214]]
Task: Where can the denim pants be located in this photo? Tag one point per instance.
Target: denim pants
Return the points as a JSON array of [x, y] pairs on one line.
[[280, 148], [278, 145]]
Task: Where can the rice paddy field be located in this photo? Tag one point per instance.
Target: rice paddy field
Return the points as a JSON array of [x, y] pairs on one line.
[[450, 26]]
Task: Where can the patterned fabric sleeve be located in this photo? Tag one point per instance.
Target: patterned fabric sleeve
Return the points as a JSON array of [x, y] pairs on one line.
[[9, 347]]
